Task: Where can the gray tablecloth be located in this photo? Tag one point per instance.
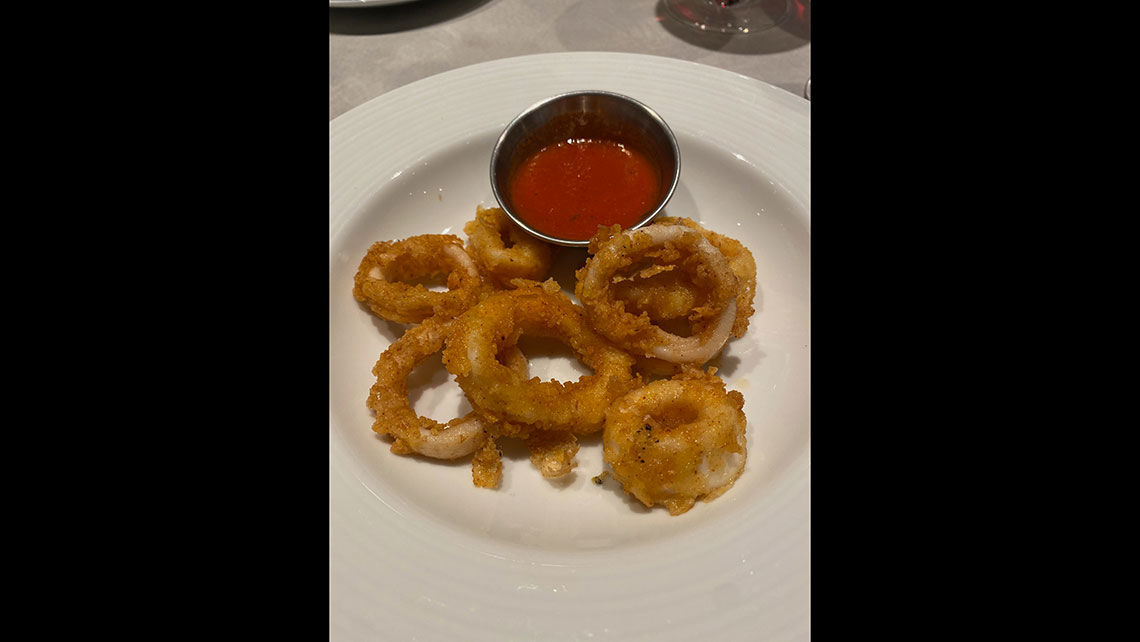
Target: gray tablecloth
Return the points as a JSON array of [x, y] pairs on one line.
[[375, 49]]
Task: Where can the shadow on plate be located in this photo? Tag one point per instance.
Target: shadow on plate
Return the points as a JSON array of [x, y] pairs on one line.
[[566, 263], [390, 330], [607, 482], [394, 18]]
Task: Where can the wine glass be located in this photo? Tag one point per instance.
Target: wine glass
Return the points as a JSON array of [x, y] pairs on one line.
[[729, 16]]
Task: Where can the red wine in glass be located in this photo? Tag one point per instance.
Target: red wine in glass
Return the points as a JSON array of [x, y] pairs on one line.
[[729, 16]]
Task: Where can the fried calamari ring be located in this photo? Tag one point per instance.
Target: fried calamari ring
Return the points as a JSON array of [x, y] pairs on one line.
[[739, 259], [677, 245], [503, 251], [394, 415], [388, 397], [677, 440], [382, 280], [505, 395]]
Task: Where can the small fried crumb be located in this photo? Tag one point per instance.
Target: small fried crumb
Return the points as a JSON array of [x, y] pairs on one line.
[[552, 453], [487, 465]]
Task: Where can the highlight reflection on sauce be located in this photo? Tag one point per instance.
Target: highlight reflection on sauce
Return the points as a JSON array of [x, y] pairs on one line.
[[566, 190]]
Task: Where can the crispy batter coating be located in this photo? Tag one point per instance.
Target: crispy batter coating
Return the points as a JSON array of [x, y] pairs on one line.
[[506, 396], [385, 279], [741, 261], [677, 440], [394, 415], [669, 442], [487, 465], [620, 256], [663, 292], [552, 453], [504, 251]]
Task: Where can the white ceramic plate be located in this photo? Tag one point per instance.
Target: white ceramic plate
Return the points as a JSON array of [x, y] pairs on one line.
[[416, 551]]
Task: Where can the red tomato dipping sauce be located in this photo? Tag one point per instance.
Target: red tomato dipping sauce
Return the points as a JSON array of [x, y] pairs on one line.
[[568, 189]]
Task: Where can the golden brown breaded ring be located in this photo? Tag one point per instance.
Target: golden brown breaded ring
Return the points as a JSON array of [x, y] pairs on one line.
[[504, 251], [674, 441], [656, 247], [382, 279], [504, 395], [388, 397]]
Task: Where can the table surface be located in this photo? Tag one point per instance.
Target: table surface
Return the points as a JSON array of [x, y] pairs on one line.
[[375, 49]]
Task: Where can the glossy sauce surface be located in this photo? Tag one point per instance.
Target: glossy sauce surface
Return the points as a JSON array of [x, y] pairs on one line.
[[568, 189]]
